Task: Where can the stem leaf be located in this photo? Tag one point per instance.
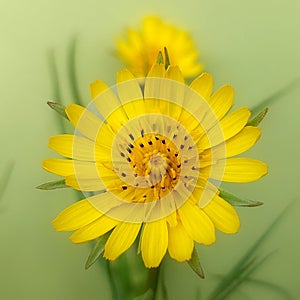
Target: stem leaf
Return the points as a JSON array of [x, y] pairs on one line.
[[195, 265], [53, 185], [258, 118], [236, 201], [59, 108], [97, 250]]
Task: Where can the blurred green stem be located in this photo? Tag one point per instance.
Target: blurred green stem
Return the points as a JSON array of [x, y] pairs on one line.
[[153, 276], [111, 280]]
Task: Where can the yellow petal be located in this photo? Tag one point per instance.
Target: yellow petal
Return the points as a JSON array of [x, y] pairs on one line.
[[150, 27], [94, 229], [180, 244], [121, 239], [197, 224], [238, 144], [96, 88], [203, 85], [174, 73], [129, 90], [108, 105], [225, 129], [243, 141], [132, 91], [239, 170], [157, 70], [154, 243], [76, 216], [223, 215], [73, 146], [62, 167], [235, 122], [85, 184], [221, 101], [85, 121]]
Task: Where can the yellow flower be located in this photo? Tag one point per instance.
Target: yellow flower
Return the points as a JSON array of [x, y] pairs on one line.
[[139, 50], [153, 156]]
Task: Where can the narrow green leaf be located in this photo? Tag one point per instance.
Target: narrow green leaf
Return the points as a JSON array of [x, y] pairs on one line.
[[5, 178], [97, 250], [258, 118], [55, 84], [53, 185], [167, 58], [195, 265], [274, 287], [59, 108], [233, 277], [72, 72], [240, 277], [236, 201], [275, 97]]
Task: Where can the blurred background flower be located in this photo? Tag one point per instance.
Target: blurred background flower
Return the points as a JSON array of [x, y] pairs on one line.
[[247, 44], [140, 47]]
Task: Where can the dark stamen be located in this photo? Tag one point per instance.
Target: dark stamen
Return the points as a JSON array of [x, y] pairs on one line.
[[131, 136]]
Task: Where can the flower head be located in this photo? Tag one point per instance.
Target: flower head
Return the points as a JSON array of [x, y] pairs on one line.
[[153, 155], [139, 50]]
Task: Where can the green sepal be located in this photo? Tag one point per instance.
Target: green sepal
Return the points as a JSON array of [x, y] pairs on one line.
[[97, 250], [160, 59], [139, 247], [59, 108], [258, 118], [167, 58], [236, 201], [195, 265], [53, 185]]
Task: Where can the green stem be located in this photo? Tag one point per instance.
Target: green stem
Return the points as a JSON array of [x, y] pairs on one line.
[[153, 276], [112, 283]]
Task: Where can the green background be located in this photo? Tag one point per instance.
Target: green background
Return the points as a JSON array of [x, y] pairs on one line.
[[253, 45]]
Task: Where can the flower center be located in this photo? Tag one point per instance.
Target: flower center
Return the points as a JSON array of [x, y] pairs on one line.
[[156, 160]]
